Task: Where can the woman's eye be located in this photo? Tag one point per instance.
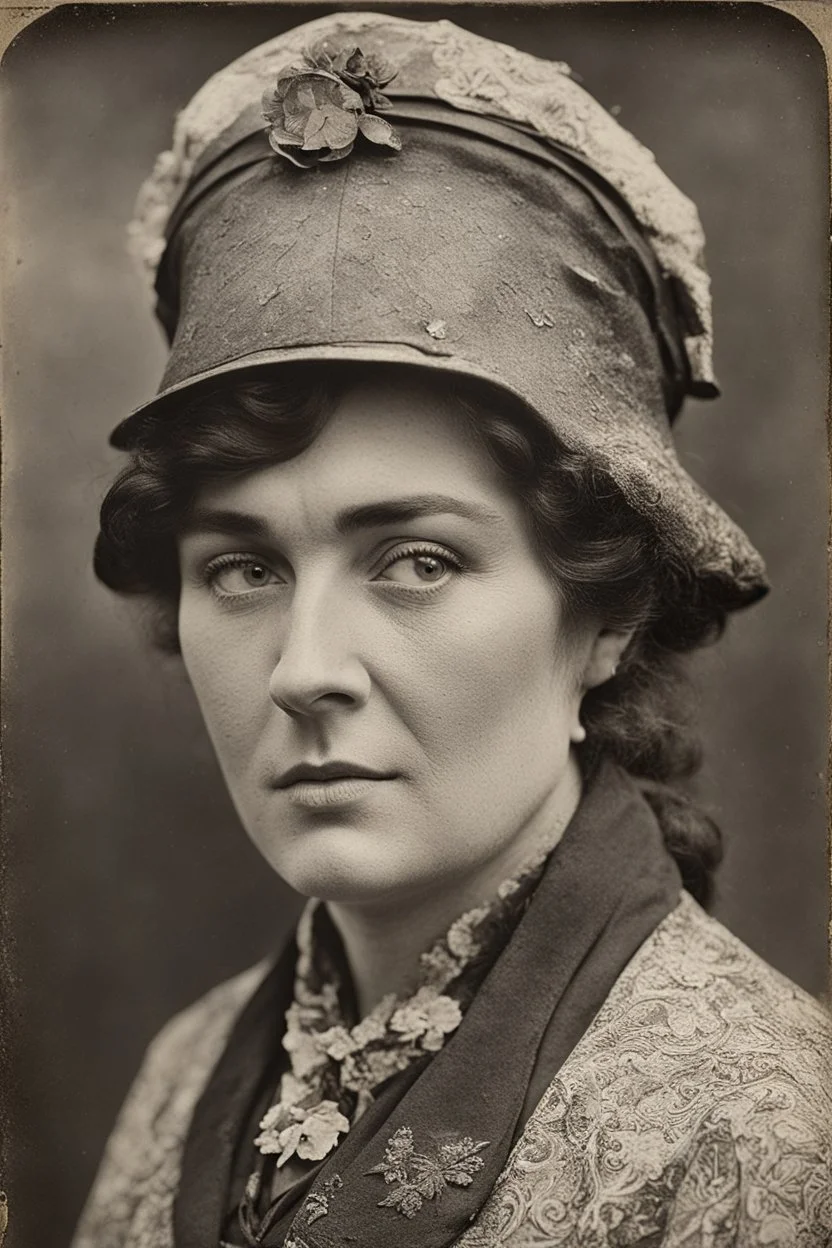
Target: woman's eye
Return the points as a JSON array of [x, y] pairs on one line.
[[241, 576], [417, 568]]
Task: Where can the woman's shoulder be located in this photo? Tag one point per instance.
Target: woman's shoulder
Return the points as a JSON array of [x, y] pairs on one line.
[[692, 963], [176, 1067], [698, 1103], [715, 1044], [133, 1194], [200, 1029]]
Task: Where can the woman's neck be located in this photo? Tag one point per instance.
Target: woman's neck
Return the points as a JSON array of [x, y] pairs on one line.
[[383, 942]]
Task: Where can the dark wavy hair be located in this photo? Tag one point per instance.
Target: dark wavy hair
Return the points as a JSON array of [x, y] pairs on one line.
[[607, 561]]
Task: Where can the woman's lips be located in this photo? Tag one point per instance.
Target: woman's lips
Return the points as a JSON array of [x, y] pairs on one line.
[[338, 791], [332, 783]]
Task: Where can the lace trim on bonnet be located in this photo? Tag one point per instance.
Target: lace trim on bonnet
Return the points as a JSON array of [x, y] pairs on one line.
[[475, 75]]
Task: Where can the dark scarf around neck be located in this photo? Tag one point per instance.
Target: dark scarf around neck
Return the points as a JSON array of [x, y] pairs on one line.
[[417, 1167]]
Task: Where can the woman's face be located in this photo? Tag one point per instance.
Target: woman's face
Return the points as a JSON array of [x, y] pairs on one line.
[[380, 657]]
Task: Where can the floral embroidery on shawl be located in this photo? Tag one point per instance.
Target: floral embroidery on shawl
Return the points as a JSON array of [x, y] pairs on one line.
[[316, 1204], [419, 1177], [336, 1068], [647, 1110]]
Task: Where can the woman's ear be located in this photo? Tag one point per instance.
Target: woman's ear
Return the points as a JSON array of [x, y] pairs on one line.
[[604, 656]]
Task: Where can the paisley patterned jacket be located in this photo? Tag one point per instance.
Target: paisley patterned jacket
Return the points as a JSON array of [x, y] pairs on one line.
[[695, 1111]]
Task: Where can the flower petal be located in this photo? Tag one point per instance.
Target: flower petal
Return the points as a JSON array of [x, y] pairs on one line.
[[293, 1091], [329, 127], [320, 1131], [338, 154], [304, 96], [288, 1141], [297, 157], [286, 77], [272, 1117], [281, 138], [377, 130], [271, 105], [349, 99], [340, 129], [313, 131], [337, 1041], [378, 100]]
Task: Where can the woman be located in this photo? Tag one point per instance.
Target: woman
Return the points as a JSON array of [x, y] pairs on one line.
[[407, 503]]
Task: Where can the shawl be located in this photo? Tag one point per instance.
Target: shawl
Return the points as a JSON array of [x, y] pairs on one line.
[[695, 1109], [337, 1061], [439, 1132]]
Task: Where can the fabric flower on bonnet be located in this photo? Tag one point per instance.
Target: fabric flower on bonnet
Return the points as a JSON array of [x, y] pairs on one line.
[[316, 111]]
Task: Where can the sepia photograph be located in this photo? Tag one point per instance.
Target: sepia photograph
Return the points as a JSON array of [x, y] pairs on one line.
[[415, 663]]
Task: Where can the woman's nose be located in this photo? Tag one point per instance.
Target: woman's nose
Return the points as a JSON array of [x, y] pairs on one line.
[[318, 669]]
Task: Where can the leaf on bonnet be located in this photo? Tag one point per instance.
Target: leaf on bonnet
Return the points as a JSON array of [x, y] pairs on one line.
[[271, 105], [382, 72], [353, 61], [337, 154], [296, 156], [377, 130], [286, 77], [347, 98], [318, 56], [316, 1206], [460, 1162], [281, 138]]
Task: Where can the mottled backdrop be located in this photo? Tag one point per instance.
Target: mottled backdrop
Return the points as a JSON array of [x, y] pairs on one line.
[[134, 888]]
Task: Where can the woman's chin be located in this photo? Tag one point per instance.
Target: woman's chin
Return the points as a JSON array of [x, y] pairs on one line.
[[343, 864]]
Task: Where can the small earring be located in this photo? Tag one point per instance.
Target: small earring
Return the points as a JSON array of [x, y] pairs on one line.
[[578, 734]]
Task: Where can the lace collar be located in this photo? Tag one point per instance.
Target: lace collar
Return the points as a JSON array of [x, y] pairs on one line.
[[335, 1067]]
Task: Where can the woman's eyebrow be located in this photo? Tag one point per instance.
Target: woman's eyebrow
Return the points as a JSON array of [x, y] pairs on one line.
[[362, 516], [209, 520], [396, 510]]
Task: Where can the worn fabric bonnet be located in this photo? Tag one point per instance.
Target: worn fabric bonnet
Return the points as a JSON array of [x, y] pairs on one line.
[[369, 188]]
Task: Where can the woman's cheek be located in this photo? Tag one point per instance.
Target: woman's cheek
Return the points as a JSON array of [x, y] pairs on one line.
[[495, 667], [228, 669]]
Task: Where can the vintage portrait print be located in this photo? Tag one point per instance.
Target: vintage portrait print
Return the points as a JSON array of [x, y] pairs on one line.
[[415, 722]]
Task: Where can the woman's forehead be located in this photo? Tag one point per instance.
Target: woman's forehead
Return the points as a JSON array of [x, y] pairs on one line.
[[393, 448]]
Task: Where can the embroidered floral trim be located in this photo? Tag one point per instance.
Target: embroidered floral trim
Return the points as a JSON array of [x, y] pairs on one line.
[[311, 1133], [316, 1204], [335, 1068], [419, 1177], [316, 111], [662, 1067]]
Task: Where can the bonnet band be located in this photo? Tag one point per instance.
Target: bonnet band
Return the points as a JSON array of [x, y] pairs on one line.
[[245, 144], [520, 237]]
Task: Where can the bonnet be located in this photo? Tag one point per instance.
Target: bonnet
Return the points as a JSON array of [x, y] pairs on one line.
[[373, 189]]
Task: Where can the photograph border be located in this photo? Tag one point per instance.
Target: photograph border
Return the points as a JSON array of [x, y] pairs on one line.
[[816, 17]]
